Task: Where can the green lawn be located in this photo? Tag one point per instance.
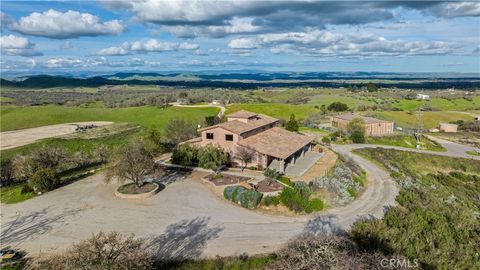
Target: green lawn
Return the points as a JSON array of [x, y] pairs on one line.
[[315, 131], [14, 117], [430, 119], [473, 153], [405, 141], [13, 194], [458, 104], [274, 109]]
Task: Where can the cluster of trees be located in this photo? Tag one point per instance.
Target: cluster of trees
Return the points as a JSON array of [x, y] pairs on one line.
[[337, 107], [41, 169], [208, 157]]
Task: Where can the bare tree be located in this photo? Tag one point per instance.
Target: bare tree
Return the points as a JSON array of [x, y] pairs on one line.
[[180, 130], [245, 155], [134, 163]]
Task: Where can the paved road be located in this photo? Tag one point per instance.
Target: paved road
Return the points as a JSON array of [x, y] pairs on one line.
[[16, 138], [183, 220]]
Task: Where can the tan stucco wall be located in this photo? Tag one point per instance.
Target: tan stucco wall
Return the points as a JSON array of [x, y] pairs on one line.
[[372, 129], [448, 127]]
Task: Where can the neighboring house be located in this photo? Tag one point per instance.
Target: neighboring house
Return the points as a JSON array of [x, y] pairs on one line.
[[373, 126], [271, 145], [423, 96], [449, 128]]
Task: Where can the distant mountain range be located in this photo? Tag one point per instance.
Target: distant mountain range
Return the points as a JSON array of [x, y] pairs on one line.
[[248, 80]]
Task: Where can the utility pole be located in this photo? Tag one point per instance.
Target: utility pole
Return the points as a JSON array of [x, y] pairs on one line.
[[418, 134]]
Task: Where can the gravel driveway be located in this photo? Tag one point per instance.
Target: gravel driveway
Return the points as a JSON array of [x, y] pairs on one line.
[[16, 138]]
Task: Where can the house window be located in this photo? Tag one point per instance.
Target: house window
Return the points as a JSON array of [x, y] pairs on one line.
[[228, 137], [209, 136]]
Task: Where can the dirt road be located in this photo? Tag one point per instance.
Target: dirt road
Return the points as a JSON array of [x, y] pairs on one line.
[[16, 138]]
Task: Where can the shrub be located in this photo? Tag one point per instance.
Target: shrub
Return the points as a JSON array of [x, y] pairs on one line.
[[357, 137], [316, 204], [185, 155], [44, 180], [269, 200], [339, 184], [285, 180], [6, 172], [292, 199], [104, 251], [326, 140], [211, 157], [271, 173], [232, 193], [329, 252], [250, 199], [304, 189]]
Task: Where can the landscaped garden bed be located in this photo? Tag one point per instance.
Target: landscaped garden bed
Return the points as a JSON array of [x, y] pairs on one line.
[[267, 186], [221, 179], [132, 191]]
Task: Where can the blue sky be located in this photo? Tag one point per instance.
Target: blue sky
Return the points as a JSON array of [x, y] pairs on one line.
[[110, 36]]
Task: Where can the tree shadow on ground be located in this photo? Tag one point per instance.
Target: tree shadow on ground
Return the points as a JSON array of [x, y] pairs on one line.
[[184, 240], [323, 225], [171, 175], [33, 224]]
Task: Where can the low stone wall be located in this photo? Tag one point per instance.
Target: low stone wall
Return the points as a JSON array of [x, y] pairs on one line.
[[137, 196]]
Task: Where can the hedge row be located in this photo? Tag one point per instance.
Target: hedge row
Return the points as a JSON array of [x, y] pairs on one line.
[[246, 198]]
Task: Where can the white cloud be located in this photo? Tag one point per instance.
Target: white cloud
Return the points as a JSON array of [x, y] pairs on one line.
[[456, 9], [326, 43], [188, 46], [70, 62], [243, 43], [151, 45], [63, 25], [13, 45]]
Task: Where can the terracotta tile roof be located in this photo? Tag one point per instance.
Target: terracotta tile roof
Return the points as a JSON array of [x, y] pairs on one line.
[[242, 114], [368, 120], [277, 142], [239, 127]]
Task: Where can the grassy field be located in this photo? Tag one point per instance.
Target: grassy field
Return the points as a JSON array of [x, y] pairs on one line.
[[275, 110], [13, 117], [430, 119], [406, 141], [13, 194], [458, 104]]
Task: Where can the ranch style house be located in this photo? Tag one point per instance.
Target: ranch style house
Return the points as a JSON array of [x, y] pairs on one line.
[[272, 146]]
